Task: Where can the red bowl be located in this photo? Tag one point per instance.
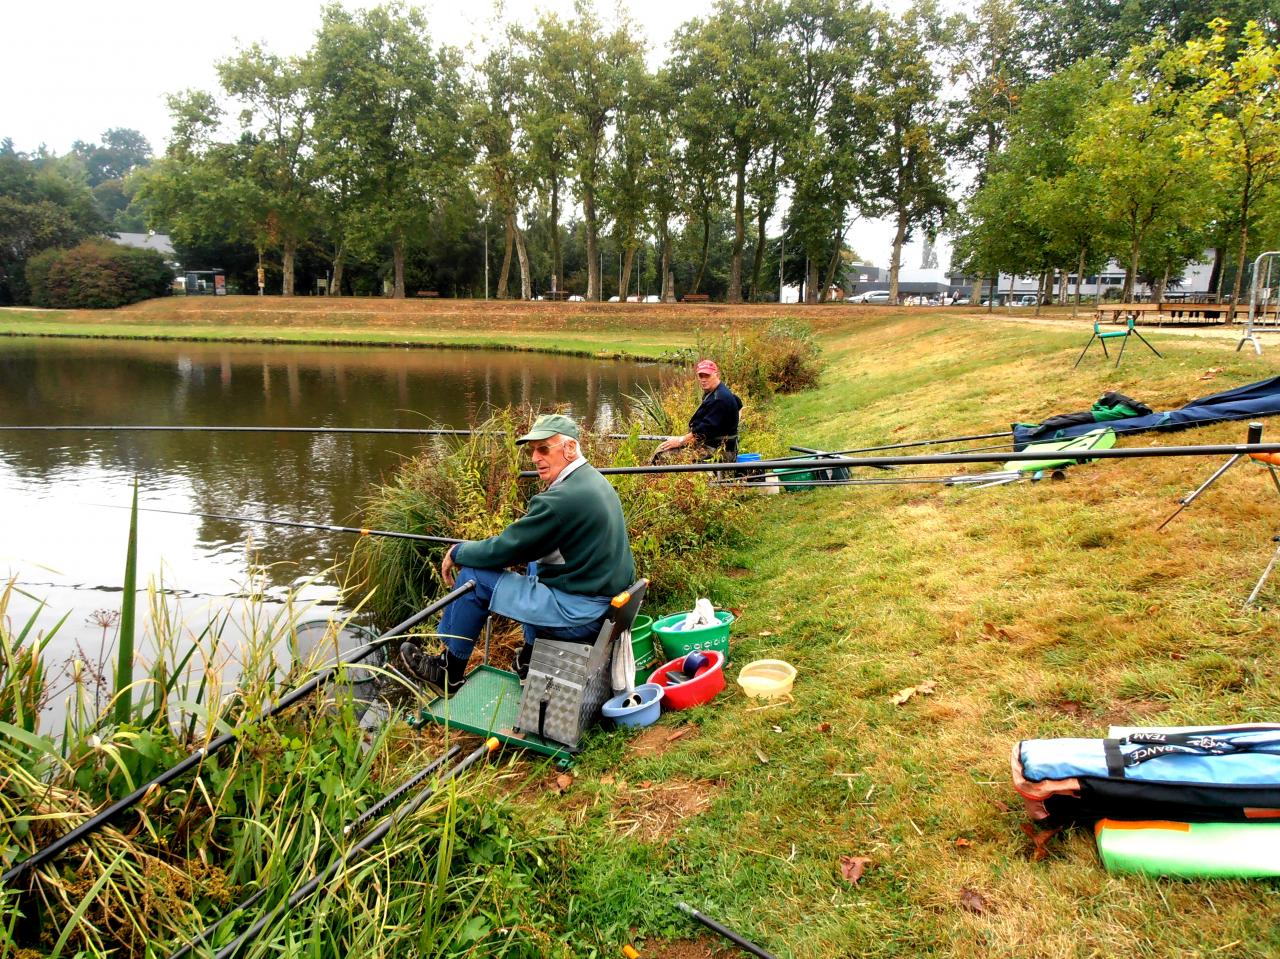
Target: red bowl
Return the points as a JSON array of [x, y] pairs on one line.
[[708, 681]]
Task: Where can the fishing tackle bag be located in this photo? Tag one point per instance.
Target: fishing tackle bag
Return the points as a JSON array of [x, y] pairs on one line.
[[1196, 774]]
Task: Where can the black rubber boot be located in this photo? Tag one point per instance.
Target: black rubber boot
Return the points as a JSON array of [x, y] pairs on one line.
[[520, 663], [444, 672]]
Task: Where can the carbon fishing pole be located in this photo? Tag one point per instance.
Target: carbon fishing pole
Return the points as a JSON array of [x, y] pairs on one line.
[[92, 825], [284, 522], [374, 836], [205, 934], [939, 458], [744, 944], [376, 430]]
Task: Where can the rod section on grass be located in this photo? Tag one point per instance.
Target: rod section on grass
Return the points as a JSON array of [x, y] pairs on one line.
[[289, 523], [744, 944], [92, 825], [374, 836], [939, 458]]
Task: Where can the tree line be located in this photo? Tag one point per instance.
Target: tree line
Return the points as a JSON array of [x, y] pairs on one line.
[[1045, 135]]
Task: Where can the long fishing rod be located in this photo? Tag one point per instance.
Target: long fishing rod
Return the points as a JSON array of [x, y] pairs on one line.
[[92, 825], [284, 522], [374, 836], [939, 458], [376, 430], [370, 813], [903, 446]]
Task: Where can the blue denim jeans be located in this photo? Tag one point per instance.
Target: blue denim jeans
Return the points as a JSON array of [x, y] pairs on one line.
[[463, 620]]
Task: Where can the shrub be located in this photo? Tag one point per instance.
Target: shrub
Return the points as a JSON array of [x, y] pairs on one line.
[[468, 488], [96, 275], [783, 357]]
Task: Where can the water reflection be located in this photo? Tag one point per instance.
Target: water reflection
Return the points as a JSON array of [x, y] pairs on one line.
[[63, 546]]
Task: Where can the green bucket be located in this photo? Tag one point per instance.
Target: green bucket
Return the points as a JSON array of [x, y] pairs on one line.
[[680, 642], [642, 648]]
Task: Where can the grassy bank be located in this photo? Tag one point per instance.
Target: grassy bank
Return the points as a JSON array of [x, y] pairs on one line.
[[590, 329], [1038, 610]]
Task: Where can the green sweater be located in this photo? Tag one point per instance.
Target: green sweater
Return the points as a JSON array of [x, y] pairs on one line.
[[581, 517]]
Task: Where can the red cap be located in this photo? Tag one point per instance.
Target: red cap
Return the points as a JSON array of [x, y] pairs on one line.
[[706, 366]]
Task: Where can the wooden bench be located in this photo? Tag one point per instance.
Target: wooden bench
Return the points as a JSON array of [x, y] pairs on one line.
[[556, 295], [695, 298], [427, 293]]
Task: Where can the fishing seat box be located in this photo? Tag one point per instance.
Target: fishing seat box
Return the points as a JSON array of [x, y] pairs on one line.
[[569, 682], [1184, 774]]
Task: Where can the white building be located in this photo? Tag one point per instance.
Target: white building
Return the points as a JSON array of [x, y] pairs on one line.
[[1194, 283]]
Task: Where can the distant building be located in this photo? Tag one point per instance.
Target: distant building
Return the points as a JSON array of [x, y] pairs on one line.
[[1193, 284]]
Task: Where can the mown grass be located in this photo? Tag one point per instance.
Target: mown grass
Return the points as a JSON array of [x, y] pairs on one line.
[[1040, 610]]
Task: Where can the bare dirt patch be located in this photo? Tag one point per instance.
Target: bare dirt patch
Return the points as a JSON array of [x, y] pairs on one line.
[[657, 740], [650, 812]]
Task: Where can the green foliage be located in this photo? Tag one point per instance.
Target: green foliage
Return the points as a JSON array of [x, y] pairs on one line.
[[759, 361], [96, 275], [469, 489]]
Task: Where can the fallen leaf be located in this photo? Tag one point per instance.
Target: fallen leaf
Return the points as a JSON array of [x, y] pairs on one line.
[[1041, 838], [1211, 372], [678, 733], [927, 687], [646, 783], [1001, 805], [824, 727], [974, 901], [963, 843], [852, 867], [606, 780], [762, 757], [765, 632], [562, 782], [777, 729], [902, 695]]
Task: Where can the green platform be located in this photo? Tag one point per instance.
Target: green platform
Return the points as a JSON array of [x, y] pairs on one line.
[[487, 705]]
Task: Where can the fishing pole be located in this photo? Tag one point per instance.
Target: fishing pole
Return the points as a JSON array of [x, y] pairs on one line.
[[375, 430], [374, 836], [744, 944], [284, 522], [92, 825], [939, 458], [903, 446], [374, 810]]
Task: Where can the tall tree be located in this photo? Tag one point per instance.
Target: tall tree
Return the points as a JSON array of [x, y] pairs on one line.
[[276, 138], [727, 67], [1233, 118], [121, 151], [581, 73], [907, 163], [389, 123]]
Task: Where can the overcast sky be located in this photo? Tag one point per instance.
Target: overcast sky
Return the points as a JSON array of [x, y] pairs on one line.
[[71, 69]]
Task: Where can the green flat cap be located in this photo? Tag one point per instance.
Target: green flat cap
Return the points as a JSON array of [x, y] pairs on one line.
[[548, 425]]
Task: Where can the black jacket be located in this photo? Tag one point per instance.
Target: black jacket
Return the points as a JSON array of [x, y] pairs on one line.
[[715, 421]]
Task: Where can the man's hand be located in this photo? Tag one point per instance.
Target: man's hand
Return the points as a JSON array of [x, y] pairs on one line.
[[671, 444], [448, 568]]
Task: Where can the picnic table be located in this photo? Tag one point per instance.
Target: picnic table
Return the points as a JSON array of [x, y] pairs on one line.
[[1180, 312]]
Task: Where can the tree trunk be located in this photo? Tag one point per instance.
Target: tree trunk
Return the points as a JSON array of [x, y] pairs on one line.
[[1157, 291], [706, 250], [664, 244], [811, 292], [975, 294], [739, 232], [895, 263], [522, 254], [1244, 252], [1131, 272], [1042, 284], [1075, 310], [290, 252], [397, 261], [833, 267], [339, 264], [504, 274], [995, 288], [593, 243], [557, 279], [757, 261], [1008, 302], [1215, 275], [624, 280]]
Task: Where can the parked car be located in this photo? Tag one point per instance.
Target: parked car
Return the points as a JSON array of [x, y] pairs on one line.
[[577, 298], [871, 296], [1026, 299]]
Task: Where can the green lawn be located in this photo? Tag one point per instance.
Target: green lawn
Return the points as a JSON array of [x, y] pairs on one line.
[[1049, 609]]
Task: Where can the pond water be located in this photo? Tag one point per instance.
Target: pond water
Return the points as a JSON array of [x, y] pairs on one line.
[[64, 495]]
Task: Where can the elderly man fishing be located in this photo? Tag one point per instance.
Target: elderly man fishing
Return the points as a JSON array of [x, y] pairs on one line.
[[714, 424], [573, 539]]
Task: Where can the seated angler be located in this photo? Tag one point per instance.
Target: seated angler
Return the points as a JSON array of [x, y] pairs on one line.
[[573, 539], [714, 424]]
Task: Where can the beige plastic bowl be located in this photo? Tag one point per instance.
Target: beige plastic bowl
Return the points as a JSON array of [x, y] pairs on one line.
[[767, 678]]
